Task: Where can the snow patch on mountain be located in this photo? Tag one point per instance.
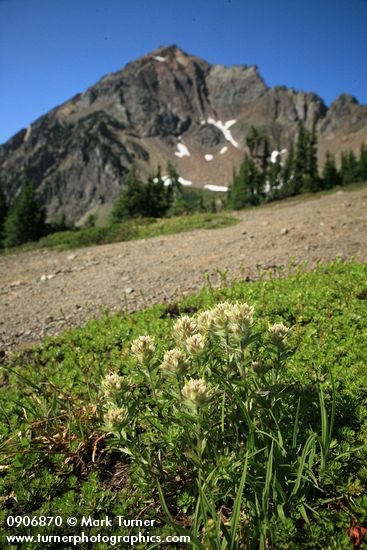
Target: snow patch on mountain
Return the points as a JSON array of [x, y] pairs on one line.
[[223, 150], [221, 188], [167, 181], [208, 156], [224, 127], [182, 151], [275, 154], [159, 58], [184, 182]]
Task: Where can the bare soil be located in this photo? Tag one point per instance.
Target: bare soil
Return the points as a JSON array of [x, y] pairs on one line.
[[45, 292]]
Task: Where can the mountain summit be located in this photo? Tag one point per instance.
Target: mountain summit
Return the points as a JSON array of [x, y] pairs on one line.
[[166, 105]]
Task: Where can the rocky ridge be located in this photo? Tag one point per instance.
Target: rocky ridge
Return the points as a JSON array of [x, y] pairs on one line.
[[165, 105]]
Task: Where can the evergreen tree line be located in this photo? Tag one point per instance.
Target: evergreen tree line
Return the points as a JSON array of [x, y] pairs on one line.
[[23, 220], [150, 199], [154, 199], [259, 180]]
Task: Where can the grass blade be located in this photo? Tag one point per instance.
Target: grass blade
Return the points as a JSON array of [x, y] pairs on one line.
[[237, 505], [302, 462], [295, 428]]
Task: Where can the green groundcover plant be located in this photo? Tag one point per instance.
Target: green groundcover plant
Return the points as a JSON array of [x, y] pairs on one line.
[[241, 422]]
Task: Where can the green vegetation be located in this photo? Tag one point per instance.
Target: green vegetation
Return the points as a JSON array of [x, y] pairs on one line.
[[142, 210], [154, 199], [150, 200], [249, 435], [3, 212], [261, 179], [138, 228], [25, 220]]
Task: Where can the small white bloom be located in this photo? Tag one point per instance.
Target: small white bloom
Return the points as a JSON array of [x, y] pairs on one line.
[[195, 344], [222, 315], [243, 314], [236, 318], [184, 328], [143, 348], [115, 416], [279, 334], [204, 321], [236, 329], [174, 361], [112, 383], [196, 392]]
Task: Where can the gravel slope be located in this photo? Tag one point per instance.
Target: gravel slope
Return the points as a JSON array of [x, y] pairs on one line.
[[46, 291]]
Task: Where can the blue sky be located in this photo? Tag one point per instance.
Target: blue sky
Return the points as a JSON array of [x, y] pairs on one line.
[[52, 49]]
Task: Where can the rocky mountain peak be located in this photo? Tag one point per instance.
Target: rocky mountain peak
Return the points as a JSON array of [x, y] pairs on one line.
[[345, 100], [166, 105]]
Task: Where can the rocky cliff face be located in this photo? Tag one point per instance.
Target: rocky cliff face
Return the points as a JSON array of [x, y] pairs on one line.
[[166, 105]]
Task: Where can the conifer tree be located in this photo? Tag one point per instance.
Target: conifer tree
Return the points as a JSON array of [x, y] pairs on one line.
[[274, 179], [158, 197], [3, 212], [26, 219], [312, 169], [131, 201], [349, 168], [237, 191], [330, 174], [247, 186], [288, 189], [301, 162], [362, 163], [176, 186]]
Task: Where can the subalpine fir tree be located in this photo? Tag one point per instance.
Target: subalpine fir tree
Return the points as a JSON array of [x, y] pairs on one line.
[[362, 163], [25, 220], [274, 180], [237, 193], [254, 142], [158, 197], [349, 168], [131, 201], [330, 175], [174, 178], [312, 169], [301, 162], [3, 212], [247, 186], [289, 188], [305, 172]]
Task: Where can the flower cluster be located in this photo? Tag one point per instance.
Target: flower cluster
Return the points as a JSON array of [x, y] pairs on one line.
[[204, 322], [192, 336], [225, 317], [236, 319], [174, 361], [143, 348], [184, 328], [196, 392], [279, 334], [188, 335], [112, 383], [115, 416], [195, 344]]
